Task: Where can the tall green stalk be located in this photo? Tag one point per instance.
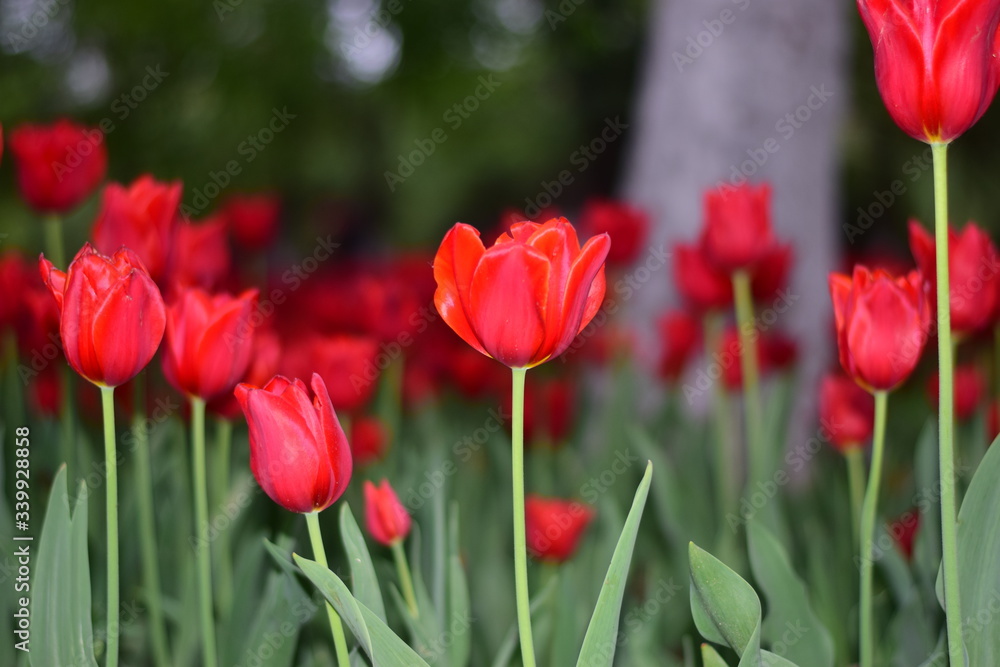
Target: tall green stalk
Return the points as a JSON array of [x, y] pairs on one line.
[[220, 486], [520, 543], [726, 458], [751, 375], [111, 489], [856, 483], [147, 531], [52, 228], [336, 627], [201, 524], [946, 403], [867, 536], [405, 580]]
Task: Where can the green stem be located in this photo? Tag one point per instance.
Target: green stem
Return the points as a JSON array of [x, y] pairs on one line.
[[405, 580], [856, 481], [726, 461], [204, 555], [55, 247], [946, 420], [111, 488], [751, 375], [147, 531], [223, 557], [52, 228], [867, 536], [339, 640], [520, 545]]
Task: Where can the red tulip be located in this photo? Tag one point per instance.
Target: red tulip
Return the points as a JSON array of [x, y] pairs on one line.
[[904, 531], [199, 255], [385, 517], [775, 352], [974, 284], [264, 362], [626, 225], [523, 300], [700, 284], [554, 527], [969, 387], [346, 363], [298, 452], [252, 219], [14, 277], [846, 412], [680, 333], [935, 62], [558, 398], [58, 165], [882, 325], [140, 217], [737, 232], [771, 273], [368, 440], [208, 342], [46, 392], [111, 314]]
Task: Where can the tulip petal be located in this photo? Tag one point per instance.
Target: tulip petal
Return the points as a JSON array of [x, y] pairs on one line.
[[128, 327], [338, 455], [583, 292], [454, 266]]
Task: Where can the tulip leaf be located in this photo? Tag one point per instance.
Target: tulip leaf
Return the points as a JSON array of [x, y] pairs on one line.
[[60, 596], [272, 636], [978, 574], [790, 616], [710, 657], [459, 620], [602, 633], [379, 642], [363, 579]]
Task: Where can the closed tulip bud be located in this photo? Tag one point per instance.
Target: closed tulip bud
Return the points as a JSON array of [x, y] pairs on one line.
[[700, 283], [627, 226], [737, 232], [369, 440], [252, 219], [298, 452], [111, 314], [974, 274], [265, 358], [935, 62], [969, 388], [882, 325], [523, 300], [208, 342], [846, 412], [904, 531], [58, 165], [141, 217], [554, 527], [385, 517]]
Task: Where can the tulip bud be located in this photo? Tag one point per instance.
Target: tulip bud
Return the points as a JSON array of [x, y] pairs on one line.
[[554, 527], [737, 232], [58, 165], [385, 517], [626, 225], [846, 412], [969, 387]]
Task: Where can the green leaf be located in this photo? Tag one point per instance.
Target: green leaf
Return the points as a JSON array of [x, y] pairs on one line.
[[378, 641], [60, 600], [978, 574], [459, 620], [711, 658], [510, 643], [271, 638], [790, 618], [602, 633], [726, 609], [363, 579]]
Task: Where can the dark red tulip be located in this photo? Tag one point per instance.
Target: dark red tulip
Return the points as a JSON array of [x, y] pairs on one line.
[[252, 219], [14, 279], [775, 352], [554, 526], [348, 365], [627, 226], [558, 398], [737, 232], [969, 387], [265, 359], [46, 392], [58, 165], [199, 255], [904, 530], [208, 342], [387, 520], [882, 325], [935, 62], [369, 440], [701, 285], [771, 272], [846, 412], [523, 300], [298, 452], [111, 314], [974, 274], [680, 334], [141, 217]]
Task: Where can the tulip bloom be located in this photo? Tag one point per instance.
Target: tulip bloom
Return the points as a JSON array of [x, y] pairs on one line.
[[523, 300], [882, 325], [699, 282], [627, 226], [368, 440], [554, 527], [265, 358], [142, 217], [111, 314], [974, 274], [208, 342], [737, 232], [969, 389], [199, 255], [346, 363], [846, 412], [935, 62], [58, 165], [298, 452], [14, 272], [252, 219], [385, 517], [680, 334]]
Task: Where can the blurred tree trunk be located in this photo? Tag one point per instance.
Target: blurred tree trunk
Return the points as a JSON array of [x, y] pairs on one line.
[[725, 94]]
